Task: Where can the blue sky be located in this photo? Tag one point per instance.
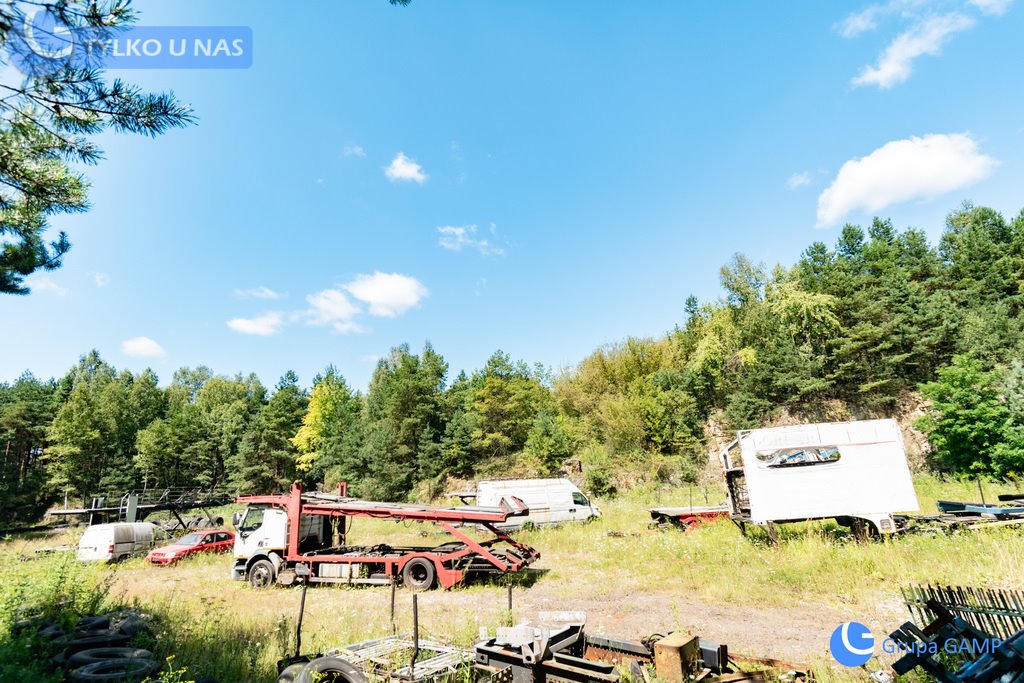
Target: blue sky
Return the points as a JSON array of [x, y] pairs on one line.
[[538, 177]]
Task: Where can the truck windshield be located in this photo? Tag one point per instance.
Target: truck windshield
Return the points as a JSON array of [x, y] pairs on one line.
[[251, 521]]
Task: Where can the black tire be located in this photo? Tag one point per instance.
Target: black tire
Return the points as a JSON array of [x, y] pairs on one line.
[[115, 671], [262, 574], [51, 632], [90, 640], [418, 574], [863, 530], [92, 623], [290, 673], [132, 626], [330, 670], [105, 654]]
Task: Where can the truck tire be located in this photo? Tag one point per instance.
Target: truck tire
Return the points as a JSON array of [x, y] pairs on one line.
[[115, 671], [330, 670], [105, 654], [262, 574], [863, 530], [418, 574]]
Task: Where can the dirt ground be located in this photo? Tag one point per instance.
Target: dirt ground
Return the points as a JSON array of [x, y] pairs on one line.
[[338, 616]]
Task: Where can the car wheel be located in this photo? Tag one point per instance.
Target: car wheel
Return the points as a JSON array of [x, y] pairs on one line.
[[330, 670], [105, 654], [261, 574], [418, 574], [115, 671]]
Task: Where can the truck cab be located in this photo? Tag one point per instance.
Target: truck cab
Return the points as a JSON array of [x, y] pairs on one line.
[[262, 534]]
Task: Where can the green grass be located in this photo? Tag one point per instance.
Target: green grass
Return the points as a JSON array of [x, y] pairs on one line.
[[213, 626]]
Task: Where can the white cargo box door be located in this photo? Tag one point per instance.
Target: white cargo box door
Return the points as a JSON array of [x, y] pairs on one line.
[[870, 475]]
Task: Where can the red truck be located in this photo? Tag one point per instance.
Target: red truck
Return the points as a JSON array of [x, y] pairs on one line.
[[281, 538]]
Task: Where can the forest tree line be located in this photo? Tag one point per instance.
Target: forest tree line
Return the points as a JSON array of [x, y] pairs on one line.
[[848, 331]]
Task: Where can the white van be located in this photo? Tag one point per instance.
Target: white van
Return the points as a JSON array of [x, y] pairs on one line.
[[117, 541], [551, 501]]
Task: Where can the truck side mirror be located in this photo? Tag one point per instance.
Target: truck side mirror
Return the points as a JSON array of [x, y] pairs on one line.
[[235, 519]]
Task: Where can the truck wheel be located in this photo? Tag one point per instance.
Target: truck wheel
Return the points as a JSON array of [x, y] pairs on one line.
[[418, 574], [261, 574], [330, 670], [863, 530]]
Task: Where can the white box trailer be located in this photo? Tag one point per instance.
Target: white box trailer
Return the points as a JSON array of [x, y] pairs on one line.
[[853, 472]]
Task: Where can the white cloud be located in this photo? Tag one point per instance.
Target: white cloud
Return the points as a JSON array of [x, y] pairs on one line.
[[332, 307], [459, 237], [354, 151], [260, 292], [142, 347], [901, 170], [924, 38], [388, 294], [992, 7], [404, 168], [48, 285], [263, 325], [798, 180], [101, 279], [861, 22]]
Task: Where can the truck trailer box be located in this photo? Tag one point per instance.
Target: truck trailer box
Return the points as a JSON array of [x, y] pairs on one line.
[[844, 470]]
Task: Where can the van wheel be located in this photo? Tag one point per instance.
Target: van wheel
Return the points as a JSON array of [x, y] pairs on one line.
[[418, 574], [261, 574]]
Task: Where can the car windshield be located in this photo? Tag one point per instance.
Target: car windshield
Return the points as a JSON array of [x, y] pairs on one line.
[[191, 539]]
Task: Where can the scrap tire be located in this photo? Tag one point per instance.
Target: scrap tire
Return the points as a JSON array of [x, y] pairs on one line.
[[105, 654], [115, 671], [51, 632], [261, 574], [92, 623], [290, 673], [90, 640], [418, 574], [330, 670]]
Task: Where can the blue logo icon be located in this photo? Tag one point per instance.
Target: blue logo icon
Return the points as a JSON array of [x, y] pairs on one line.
[[40, 43], [852, 644]]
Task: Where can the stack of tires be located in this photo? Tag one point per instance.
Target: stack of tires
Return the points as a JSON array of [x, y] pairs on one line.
[[321, 670], [97, 650]]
